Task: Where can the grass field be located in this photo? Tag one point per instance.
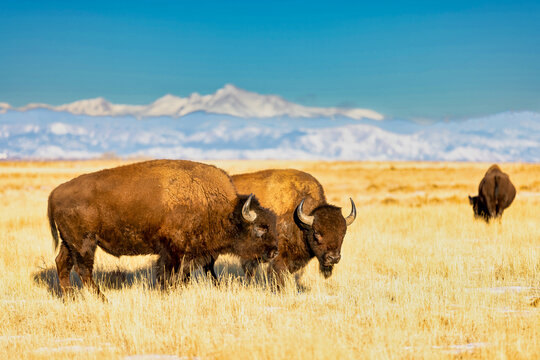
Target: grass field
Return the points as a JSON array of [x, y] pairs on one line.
[[419, 277]]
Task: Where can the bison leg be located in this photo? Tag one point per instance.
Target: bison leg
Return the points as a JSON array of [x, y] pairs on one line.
[[64, 264], [184, 270], [499, 209], [250, 267], [276, 271], [85, 264], [165, 268], [209, 268], [491, 208]]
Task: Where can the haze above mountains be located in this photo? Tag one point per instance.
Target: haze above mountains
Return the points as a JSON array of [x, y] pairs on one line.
[[235, 124]]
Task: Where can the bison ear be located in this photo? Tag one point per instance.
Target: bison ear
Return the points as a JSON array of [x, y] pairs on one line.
[[471, 201], [260, 231]]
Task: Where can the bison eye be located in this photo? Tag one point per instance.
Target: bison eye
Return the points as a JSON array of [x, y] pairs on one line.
[[260, 231], [318, 237]]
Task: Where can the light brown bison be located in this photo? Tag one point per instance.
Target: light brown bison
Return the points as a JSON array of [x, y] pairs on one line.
[[182, 211], [495, 193], [307, 226]]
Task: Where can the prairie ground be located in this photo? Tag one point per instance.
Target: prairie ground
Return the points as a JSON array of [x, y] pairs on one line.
[[419, 277]]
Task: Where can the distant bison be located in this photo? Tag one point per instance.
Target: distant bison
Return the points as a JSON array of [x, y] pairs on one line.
[[495, 193], [182, 211], [307, 226]]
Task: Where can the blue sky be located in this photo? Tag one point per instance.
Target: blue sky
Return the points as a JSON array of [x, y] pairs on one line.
[[406, 59]]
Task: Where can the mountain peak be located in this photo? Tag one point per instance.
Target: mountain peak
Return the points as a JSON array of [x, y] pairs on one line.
[[97, 101], [167, 98], [229, 100], [95, 107], [4, 107], [229, 88]]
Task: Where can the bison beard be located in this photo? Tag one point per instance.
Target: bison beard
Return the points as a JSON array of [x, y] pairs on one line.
[[326, 270], [182, 211]]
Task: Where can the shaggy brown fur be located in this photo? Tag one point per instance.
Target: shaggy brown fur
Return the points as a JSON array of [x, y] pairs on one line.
[[495, 193], [282, 191], [180, 210]]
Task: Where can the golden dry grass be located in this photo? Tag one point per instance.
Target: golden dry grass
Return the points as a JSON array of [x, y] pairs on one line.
[[419, 277]]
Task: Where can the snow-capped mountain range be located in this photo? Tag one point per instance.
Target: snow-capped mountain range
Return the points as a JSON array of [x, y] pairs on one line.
[[228, 100], [236, 124]]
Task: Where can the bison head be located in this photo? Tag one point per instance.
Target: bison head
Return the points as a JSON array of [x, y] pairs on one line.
[[479, 208], [324, 230], [256, 228]]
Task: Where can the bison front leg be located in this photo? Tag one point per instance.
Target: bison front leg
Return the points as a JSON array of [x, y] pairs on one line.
[[250, 268], [84, 258], [166, 268], [277, 271], [209, 268], [64, 264]]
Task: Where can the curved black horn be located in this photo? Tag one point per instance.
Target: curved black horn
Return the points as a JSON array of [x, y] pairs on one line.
[[350, 219], [305, 219], [248, 214]]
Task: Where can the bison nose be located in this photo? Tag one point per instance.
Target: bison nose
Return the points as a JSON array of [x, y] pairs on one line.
[[333, 259], [272, 254]]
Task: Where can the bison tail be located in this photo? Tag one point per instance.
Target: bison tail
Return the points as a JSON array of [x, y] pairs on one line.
[[52, 224], [496, 199], [496, 191]]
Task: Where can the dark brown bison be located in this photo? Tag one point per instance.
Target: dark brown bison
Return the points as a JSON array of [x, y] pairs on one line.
[[307, 226], [495, 193], [182, 211]]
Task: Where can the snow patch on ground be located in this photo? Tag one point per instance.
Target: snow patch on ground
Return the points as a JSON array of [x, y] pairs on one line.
[[67, 348], [15, 338], [455, 349], [505, 289], [458, 349], [157, 357]]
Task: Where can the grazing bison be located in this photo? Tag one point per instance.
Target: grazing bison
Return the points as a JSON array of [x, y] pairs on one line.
[[307, 226], [495, 193], [180, 210]]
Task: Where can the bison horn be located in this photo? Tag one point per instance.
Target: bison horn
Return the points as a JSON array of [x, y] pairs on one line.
[[248, 214], [305, 219], [350, 219]]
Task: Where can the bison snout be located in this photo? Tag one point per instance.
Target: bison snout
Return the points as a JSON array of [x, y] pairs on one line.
[[271, 254], [332, 259]]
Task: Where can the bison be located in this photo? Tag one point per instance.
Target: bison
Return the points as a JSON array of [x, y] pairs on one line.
[[495, 193], [183, 211], [307, 225]]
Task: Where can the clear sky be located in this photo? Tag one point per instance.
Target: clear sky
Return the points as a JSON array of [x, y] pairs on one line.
[[406, 59]]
